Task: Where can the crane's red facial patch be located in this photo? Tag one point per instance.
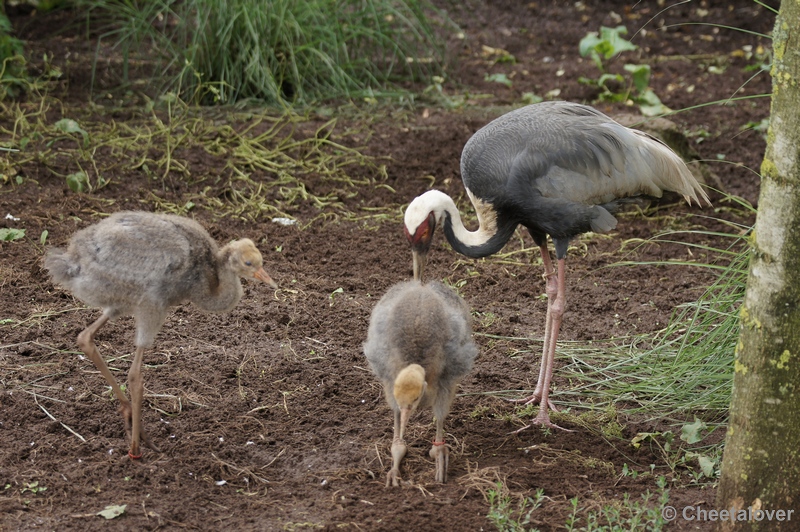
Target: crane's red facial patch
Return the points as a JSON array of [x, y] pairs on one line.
[[409, 237], [423, 235]]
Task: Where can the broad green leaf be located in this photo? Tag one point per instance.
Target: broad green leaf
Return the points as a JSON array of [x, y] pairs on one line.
[[614, 37], [691, 433], [650, 104], [587, 44], [706, 464], [640, 75], [68, 125], [601, 81], [78, 182], [531, 97], [641, 437], [9, 234], [498, 78]]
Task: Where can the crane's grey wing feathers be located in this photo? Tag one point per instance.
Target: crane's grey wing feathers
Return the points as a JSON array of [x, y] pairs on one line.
[[574, 152]]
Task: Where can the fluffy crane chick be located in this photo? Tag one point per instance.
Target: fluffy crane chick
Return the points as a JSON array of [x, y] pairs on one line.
[[419, 345], [139, 264]]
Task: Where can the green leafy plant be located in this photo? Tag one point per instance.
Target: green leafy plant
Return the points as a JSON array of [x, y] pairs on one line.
[[33, 487], [13, 73], [69, 126], [499, 78], [606, 44], [628, 514], [112, 511], [332, 295], [78, 182], [503, 514], [8, 234]]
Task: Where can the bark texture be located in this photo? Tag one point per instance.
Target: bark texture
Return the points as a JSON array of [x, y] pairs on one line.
[[761, 463]]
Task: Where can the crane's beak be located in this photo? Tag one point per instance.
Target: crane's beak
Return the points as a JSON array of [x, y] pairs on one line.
[[420, 244], [262, 275], [419, 259]]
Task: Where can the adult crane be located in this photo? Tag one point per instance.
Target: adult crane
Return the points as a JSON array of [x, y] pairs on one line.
[[558, 169]]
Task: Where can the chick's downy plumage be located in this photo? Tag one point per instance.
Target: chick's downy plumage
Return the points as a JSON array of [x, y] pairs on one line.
[[420, 346]]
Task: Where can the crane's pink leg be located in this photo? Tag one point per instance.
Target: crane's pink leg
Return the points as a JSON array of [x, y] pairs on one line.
[[551, 289], [440, 453], [89, 348], [136, 386], [555, 311], [87, 345], [398, 451]]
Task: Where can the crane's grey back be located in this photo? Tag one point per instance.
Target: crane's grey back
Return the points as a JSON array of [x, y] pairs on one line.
[[568, 150]]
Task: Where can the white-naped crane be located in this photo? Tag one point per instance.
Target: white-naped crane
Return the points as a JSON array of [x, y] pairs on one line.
[[419, 345], [139, 264], [558, 169]]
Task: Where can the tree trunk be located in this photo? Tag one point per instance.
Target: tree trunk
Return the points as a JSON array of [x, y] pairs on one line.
[[761, 463]]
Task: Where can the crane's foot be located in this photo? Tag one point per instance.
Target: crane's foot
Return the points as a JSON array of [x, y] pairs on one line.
[[393, 478], [543, 419], [534, 399], [441, 454], [135, 452], [398, 453]]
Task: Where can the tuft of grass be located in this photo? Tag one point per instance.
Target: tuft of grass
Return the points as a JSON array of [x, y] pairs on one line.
[[687, 367], [505, 516], [280, 52], [621, 516]]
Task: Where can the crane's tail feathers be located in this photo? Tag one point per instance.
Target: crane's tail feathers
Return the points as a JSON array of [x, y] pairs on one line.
[[602, 221], [673, 173]]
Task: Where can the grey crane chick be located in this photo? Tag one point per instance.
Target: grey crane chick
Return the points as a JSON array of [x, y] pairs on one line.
[[419, 345], [139, 264]]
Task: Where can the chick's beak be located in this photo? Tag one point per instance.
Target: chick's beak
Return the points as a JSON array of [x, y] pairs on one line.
[[262, 275]]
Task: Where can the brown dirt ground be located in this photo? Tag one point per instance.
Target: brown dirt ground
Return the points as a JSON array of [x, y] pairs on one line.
[[268, 416]]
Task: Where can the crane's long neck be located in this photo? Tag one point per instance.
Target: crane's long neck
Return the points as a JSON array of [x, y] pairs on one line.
[[492, 234], [224, 287]]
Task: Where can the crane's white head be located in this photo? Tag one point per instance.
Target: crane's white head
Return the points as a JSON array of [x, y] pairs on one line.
[[245, 260], [409, 389], [422, 216]]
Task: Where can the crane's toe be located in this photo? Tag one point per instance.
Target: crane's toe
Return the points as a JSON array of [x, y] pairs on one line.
[[393, 478], [534, 399], [441, 454], [543, 418], [148, 442], [398, 453], [135, 452]]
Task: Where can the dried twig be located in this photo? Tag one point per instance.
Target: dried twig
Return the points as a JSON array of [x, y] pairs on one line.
[[36, 399]]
